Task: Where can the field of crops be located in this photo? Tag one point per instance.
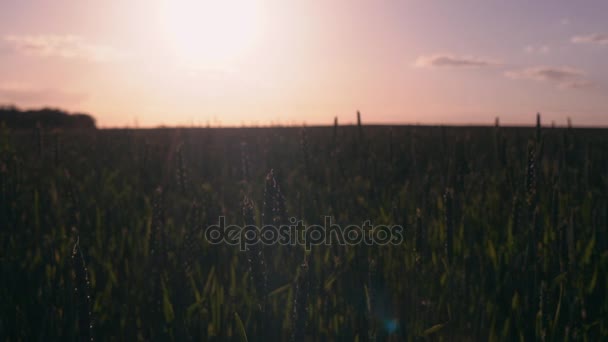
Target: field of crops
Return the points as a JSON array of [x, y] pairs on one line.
[[506, 234]]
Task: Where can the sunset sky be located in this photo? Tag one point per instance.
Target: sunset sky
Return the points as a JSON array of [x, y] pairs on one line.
[[259, 62]]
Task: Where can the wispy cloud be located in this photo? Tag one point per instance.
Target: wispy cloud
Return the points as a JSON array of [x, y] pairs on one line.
[[537, 49], [26, 94], [593, 38], [563, 77], [451, 61], [61, 46]]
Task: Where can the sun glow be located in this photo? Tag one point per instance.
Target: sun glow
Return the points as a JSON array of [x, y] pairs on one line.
[[209, 33]]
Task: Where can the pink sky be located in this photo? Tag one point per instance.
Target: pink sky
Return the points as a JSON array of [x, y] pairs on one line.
[[258, 62]]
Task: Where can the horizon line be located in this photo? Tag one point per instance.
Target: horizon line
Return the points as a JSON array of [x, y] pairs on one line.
[[350, 124]]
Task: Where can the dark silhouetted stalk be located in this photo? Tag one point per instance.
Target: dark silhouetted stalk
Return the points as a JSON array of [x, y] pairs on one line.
[[244, 162], [420, 235], [462, 167], [449, 224], [274, 202], [531, 176], [305, 153], [82, 293], [390, 145], [359, 126], [39, 139], [257, 269], [571, 238], [181, 175], [300, 304], [335, 132], [57, 150], [157, 262], [538, 128], [555, 227], [193, 227]]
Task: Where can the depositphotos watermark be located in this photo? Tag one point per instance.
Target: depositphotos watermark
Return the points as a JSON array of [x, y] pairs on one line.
[[297, 233]]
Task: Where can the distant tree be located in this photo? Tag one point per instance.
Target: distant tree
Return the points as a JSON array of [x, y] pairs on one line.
[[14, 117]]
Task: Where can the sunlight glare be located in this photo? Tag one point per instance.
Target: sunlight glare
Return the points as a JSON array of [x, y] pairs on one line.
[[209, 34]]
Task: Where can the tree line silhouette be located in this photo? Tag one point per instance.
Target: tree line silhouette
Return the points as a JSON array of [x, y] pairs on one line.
[[14, 117]]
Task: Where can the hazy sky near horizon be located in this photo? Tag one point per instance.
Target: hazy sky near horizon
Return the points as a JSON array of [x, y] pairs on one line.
[[234, 62]]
